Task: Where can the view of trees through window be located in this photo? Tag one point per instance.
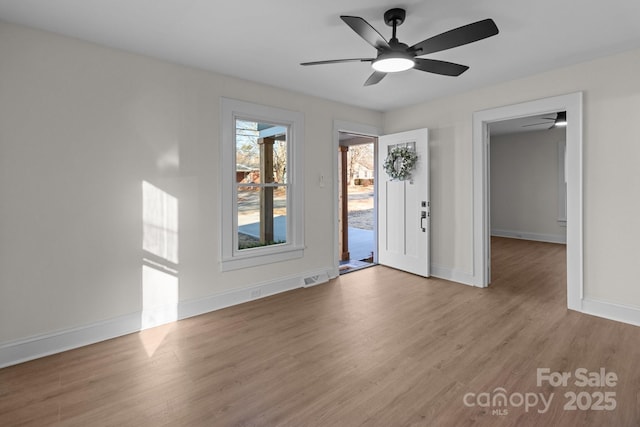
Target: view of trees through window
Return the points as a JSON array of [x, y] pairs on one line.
[[261, 182]]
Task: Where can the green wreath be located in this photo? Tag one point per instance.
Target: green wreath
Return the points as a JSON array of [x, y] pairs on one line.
[[400, 162]]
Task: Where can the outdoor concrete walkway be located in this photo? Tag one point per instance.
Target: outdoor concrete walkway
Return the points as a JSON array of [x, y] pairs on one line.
[[361, 242]]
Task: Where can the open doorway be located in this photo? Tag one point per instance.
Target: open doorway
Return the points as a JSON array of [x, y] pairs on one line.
[[572, 104], [357, 243], [528, 193]]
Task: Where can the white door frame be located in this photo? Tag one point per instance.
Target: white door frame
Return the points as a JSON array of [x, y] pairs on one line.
[[360, 129], [572, 104]]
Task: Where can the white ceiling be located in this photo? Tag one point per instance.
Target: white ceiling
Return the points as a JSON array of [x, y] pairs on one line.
[[265, 41]]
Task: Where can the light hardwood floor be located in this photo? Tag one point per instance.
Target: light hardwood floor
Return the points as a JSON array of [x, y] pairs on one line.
[[376, 347]]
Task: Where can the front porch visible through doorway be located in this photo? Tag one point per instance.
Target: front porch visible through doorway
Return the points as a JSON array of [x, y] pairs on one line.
[[356, 215]]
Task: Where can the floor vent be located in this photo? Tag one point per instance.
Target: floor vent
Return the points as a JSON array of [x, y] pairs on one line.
[[308, 281], [315, 280]]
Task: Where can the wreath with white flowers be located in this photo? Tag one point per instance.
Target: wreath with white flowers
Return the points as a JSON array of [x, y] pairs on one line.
[[400, 162]]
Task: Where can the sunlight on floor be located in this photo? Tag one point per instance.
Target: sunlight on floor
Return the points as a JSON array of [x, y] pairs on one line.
[[151, 339]]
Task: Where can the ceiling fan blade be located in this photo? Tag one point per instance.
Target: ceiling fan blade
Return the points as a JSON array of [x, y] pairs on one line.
[[439, 67], [535, 124], [338, 61], [366, 31], [375, 78], [457, 37]]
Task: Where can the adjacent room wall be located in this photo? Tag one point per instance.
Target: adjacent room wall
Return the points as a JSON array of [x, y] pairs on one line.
[[81, 127], [611, 151], [525, 185]]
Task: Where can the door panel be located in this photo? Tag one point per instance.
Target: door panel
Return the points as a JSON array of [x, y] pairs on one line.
[[403, 235], [395, 197]]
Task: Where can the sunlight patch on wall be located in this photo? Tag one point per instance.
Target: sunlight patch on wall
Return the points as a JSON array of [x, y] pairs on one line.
[[160, 279], [160, 222]]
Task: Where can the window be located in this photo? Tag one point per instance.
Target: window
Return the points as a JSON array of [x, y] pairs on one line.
[[262, 183]]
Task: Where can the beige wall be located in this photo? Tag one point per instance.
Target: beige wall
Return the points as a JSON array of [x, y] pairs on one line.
[[611, 151], [525, 185], [81, 126]]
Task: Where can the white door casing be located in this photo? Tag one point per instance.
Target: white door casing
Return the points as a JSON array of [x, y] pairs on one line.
[[572, 104], [404, 207]]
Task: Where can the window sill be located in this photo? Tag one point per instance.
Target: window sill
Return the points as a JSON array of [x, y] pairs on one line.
[[255, 259]]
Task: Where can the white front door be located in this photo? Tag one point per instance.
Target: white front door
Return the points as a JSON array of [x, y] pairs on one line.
[[403, 206]]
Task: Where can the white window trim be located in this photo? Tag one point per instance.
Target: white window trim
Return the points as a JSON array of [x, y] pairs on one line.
[[230, 258]]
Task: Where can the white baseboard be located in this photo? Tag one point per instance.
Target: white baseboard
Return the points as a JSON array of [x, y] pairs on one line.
[[452, 275], [514, 234], [612, 311], [23, 350]]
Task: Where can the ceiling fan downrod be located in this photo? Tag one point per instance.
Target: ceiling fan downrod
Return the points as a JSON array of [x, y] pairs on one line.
[[393, 18]]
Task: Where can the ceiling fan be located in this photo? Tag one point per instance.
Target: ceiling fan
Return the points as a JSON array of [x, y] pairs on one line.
[[560, 120], [394, 56]]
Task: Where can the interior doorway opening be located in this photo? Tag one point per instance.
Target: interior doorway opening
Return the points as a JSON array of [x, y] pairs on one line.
[[357, 190], [527, 190], [572, 105]]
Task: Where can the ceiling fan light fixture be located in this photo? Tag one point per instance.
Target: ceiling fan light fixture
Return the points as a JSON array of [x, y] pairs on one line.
[[561, 119], [393, 62]]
